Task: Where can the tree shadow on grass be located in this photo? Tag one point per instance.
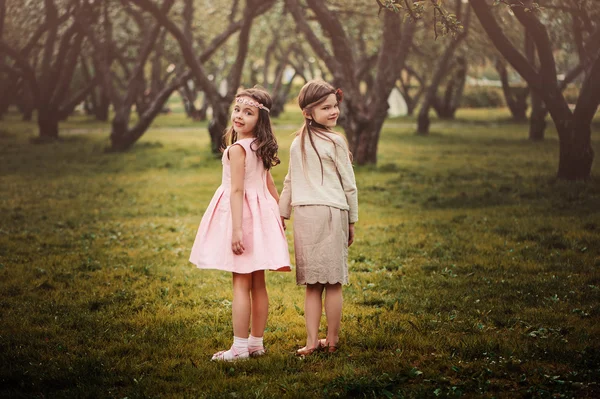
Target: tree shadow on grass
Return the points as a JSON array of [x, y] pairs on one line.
[[458, 136], [480, 188], [81, 155], [558, 195]]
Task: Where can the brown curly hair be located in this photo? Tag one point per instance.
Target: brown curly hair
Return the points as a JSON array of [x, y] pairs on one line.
[[265, 143]]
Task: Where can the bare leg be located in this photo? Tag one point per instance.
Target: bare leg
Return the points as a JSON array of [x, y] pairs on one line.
[[240, 314], [333, 311], [240, 309], [312, 313], [260, 304]]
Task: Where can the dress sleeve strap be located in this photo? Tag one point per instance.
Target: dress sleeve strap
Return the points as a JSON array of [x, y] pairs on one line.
[[247, 144]]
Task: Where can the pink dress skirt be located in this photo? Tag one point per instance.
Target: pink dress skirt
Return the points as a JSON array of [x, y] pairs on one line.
[[264, 239]]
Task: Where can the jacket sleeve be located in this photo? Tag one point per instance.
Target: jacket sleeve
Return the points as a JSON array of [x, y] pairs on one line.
[[346, 173]]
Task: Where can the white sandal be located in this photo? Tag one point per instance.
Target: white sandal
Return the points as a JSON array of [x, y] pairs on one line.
[[220, 356], [256, 351]]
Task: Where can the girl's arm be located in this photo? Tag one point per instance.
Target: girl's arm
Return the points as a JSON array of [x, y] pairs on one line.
[[285, 201], [237, 156], [346, 172], [271, 186]]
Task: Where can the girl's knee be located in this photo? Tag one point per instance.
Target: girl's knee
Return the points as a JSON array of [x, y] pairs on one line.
[[318, 287], [242, 281], [258, 280]]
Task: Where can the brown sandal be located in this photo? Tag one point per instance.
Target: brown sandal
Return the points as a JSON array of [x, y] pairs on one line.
[[302, 352], [323, 344]]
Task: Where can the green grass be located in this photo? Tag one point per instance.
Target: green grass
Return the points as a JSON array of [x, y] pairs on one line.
[[474, 273]]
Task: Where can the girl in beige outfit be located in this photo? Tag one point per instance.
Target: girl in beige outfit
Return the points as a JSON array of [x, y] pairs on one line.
[[321, 188]]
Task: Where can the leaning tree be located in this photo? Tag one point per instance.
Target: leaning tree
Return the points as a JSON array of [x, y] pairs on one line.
[[573, 126], [60, 39], [367, 77], [455, 84], [572, 29], [123, 136], [219, 103]]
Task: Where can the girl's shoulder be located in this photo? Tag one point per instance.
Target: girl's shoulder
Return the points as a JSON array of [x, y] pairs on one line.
[[333, 134], [295, 141], [336, 138], [245, 143], [247, 140]]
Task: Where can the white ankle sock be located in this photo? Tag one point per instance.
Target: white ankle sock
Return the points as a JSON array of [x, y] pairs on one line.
[[240, 345], [255, 342]]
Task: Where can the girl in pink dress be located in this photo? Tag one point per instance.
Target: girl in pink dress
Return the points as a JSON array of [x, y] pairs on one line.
[[241, 231]]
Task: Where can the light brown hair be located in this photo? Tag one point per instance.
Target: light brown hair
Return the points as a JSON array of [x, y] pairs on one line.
[[312, 94]]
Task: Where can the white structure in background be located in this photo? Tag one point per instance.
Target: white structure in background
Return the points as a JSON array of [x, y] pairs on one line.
[[483, 82], [397, 104], [223, 87], [288, 74]]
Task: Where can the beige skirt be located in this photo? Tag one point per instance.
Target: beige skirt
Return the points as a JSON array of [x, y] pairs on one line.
[[321, 244]]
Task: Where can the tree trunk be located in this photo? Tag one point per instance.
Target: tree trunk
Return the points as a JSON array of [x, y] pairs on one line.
[[574, 128], [365, 149], [446, 109], [5, 101], [278, 105], [102, 106], [423, 121], [203, 109], [24, 101], [217, 126], [279, 90], [429, 100], [120, 128], [88, 105], [576, 156], [27, 114], [519, 112], [363, 135], [537, 120], [405, 87], [281, 98], [516, 98], [188, 97], [48, 125]]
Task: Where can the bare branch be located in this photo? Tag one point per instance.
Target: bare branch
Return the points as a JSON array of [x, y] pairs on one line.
[[23, 64]]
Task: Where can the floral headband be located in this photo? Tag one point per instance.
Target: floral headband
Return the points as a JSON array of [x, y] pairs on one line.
[[251, 103]]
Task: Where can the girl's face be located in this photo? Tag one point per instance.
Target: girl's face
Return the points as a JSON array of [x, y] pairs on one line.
[[327, 112], [244, 117]]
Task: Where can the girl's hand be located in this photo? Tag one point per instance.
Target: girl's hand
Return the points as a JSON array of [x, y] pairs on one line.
[[237, 246], [350, 234], [283, 222]]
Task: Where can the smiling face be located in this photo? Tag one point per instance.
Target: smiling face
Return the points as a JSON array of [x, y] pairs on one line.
[[327, 112], [244, 118]]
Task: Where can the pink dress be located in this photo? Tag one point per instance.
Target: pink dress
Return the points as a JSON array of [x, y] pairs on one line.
[[266, 246]]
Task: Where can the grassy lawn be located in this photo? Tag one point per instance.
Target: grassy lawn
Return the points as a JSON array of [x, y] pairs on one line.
[[475, 272]]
